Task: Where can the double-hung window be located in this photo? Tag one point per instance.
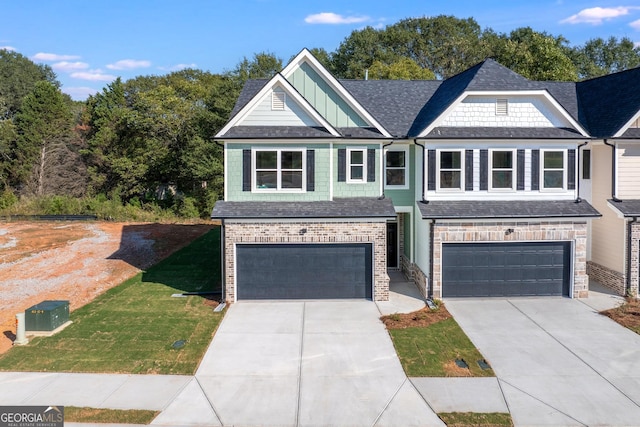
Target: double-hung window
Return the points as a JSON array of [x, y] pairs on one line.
[[503, 174], [356, 165], [450, 170], [396, 161], [553, 169], [279, 169]]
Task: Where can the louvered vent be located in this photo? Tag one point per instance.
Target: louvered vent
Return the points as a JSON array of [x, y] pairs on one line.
[[502, 107], [277, 100]]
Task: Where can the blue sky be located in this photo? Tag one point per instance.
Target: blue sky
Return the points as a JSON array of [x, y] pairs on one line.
[[91, 42]]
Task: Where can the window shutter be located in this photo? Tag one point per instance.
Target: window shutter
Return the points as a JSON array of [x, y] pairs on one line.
[[535, 169], [246, 170], [571, 169], [431, 164], [311, 170], [342, 164], [371, 165], [484, 170], [520, 171], [468, 170]]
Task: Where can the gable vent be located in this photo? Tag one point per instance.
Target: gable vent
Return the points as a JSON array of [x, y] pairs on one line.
[[502, 107], [635, 124], [277, 100]]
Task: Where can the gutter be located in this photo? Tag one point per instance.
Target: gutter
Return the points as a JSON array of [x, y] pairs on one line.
[[578, 198], [613, 171]]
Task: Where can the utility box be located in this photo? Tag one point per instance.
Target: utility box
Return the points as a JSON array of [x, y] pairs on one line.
[[46, 316]]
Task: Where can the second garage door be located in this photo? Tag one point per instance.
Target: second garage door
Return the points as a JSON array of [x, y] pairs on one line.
[[505, 269], [303, 271]]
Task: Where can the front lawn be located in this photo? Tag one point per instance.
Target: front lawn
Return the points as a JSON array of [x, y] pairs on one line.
[[74, 414], [137, 327], [475, 419]]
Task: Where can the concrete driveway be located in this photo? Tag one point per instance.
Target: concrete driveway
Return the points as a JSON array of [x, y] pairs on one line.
[[315, 363], [558, 362]]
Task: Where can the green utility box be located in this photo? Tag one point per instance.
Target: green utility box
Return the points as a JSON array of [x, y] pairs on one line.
[[46, 316]]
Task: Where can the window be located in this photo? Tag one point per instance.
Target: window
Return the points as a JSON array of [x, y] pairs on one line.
[[450, 170], [586, 164], [502, 170], [278, 100], [502, 107], [396, 168], [553, 168], [356, 165], [279, 169]]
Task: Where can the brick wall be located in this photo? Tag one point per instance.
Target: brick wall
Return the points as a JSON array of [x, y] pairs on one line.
[[522, 231], [612, 279], [316, 232], [635, 260]]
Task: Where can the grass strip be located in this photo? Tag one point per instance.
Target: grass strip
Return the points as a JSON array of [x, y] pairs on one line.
[[75, 414], [132, 328], [476, 419]]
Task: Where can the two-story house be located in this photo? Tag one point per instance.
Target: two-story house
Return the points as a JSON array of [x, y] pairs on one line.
[[469, 185]]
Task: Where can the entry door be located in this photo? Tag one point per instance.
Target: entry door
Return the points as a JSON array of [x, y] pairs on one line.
[[392, 245]]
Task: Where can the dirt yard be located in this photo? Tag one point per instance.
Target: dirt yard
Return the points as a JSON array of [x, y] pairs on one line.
[[76, 261]]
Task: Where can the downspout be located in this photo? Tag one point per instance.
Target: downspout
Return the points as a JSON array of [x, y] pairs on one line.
[[629, 241], [613, 171], [222, 260], [431, 224], [382, 176], [424, 161], [578, 198]]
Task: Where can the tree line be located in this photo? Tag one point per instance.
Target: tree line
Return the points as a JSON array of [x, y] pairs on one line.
[[148, 141]]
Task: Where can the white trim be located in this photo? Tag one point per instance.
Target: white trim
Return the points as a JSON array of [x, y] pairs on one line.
[[305, 220], [278, 170], [540, 93], [349, 179], [277, 81], [626, 126], [331, 179], [306, 56], [462, 170], [225, 173], [407, 164], [565, 164], [514, 171], [409, 210]]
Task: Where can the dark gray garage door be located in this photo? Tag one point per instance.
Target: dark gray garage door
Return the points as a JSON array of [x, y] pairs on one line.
[[307, 271], [505, 269]]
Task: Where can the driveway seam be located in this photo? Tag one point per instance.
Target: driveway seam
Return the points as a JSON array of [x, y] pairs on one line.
[[574, 353], [209, 400], [393, 396], [304, 308]]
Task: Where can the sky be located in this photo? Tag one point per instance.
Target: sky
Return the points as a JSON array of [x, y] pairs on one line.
[[89, 43]]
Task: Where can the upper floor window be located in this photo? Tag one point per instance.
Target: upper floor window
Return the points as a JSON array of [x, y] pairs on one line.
[[396, 172], [356, 165], [278, 169], [586, 164], [450, 170], [553, 170], [502, 176]]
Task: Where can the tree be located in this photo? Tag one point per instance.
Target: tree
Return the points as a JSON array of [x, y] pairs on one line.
[[598, 57], [358, 52], [264, 65], [402, 69]]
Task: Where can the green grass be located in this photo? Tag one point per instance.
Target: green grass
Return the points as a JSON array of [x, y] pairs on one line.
[[131, 327], [431, 351], [73, 414], [475, 419]]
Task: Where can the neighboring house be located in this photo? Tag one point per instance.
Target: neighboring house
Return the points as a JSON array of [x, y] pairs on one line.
[[472, 186]]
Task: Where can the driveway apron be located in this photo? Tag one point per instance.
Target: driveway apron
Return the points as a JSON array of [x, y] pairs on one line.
[[559, 362], [308, 363]]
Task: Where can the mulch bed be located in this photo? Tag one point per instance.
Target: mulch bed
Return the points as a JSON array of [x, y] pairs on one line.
[[628, 314], [420, 318]]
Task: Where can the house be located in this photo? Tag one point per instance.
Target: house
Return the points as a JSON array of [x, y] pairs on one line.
[[479, 185]]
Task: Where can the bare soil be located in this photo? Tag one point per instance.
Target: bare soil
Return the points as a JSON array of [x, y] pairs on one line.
[[77, 261], [628, 314], [421, 318]]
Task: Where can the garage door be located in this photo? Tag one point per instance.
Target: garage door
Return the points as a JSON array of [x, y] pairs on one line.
[[304, 271], [505, 269]]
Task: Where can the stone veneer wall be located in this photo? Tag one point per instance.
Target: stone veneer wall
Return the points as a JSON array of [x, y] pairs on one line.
[[612, 279], [316, 232], [522, 231]]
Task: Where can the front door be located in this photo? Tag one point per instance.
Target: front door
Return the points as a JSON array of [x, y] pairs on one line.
[[392, 245]]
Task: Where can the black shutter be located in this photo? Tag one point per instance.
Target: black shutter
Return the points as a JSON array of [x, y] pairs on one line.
[[468, 170], [520, 171], [535, 169], [342, 164], [311, 170], [431, 165], [571, 170], [371, 165], [246, 170], [484, 170]]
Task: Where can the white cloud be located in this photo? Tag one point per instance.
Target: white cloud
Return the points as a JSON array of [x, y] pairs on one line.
[[635, 25], [7, 48], [79, 93], [68, 67], [178, 67], [128, 64], [596, 15], [334, 18], [41, 56], [93, 75]]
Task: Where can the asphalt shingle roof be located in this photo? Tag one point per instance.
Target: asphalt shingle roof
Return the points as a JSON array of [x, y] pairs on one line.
[[628, 208], [251, 132], [503, 133], [486, 209], [363, 207]]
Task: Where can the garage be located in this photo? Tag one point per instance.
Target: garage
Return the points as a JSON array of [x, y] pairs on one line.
[[304, 271], [506, 269]]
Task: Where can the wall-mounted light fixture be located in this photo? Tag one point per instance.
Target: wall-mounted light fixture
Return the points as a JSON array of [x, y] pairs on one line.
[[508, 231], [302, 231]]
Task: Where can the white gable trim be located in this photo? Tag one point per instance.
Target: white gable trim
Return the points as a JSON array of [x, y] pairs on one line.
[[277, 81], [539, 93], [626, 126], [306, 56]]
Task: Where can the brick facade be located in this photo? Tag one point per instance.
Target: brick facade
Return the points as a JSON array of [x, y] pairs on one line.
[[316, 232], [522, 231], [612, 279], [634, 271]]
